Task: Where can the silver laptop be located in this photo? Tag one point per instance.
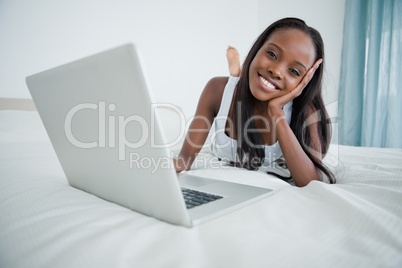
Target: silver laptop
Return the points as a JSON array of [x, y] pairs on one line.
[[100, 117]]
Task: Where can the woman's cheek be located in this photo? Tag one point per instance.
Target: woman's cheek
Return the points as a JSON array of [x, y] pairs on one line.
[[294, 84]]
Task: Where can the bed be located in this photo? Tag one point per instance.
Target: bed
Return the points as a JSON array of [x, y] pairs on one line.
[[45, 222]]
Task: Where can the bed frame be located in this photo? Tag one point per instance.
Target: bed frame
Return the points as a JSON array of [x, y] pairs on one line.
[[17, 104]]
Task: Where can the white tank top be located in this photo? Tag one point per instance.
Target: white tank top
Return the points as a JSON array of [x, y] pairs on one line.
[[224, 147]]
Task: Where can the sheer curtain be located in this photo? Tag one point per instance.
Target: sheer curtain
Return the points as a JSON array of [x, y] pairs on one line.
[[370, 88]]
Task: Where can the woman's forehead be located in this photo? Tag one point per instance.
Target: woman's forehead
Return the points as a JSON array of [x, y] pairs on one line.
[[294, 42]]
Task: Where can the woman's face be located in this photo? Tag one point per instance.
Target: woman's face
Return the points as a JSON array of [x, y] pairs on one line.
[[281, 64]]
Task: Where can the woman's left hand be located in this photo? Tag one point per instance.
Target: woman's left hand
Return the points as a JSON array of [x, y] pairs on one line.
[[276, 104]]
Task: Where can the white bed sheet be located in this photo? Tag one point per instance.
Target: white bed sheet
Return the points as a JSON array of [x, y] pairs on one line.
[[46, 223]]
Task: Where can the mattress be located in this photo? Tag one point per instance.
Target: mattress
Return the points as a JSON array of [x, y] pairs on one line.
[[44, 222]]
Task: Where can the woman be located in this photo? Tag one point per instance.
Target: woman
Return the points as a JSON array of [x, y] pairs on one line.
[[273, 110]]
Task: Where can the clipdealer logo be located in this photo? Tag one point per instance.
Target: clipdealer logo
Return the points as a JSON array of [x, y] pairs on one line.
[[115, 125]]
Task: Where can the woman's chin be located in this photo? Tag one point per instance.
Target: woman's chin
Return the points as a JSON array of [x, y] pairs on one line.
[[261, 95]]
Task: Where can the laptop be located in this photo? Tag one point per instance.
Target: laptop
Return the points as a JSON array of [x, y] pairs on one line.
[[99, 115]]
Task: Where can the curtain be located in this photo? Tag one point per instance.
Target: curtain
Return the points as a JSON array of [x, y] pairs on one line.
[[370, 88]]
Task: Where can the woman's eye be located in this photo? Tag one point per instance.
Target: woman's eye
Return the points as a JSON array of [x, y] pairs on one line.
[[295, 72], [272, 54]]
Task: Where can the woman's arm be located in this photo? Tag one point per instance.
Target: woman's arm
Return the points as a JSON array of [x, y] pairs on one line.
[[299, 164], [207, 109]]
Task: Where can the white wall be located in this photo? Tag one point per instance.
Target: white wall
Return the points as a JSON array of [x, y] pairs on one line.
[[183, 42]]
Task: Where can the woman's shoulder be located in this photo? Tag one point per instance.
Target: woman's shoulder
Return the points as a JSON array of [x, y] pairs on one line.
[[217, 83], [213, 92]]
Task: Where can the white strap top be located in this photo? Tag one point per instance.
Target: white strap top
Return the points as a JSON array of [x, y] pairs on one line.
[[224, 147]]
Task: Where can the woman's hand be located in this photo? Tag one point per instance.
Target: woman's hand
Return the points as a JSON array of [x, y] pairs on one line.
[[180, 165], [275, 105]]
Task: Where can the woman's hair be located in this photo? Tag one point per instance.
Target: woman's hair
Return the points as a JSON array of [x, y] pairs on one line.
[[252, 157]]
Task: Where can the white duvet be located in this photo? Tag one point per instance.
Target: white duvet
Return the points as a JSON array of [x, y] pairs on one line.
[[46, 223]]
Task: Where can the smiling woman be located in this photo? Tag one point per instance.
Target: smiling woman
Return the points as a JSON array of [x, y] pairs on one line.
[[273, 112]]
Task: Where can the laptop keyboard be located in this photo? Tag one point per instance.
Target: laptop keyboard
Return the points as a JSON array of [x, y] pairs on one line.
[[195, 198]]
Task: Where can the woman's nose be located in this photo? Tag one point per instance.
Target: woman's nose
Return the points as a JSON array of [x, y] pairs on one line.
[[275, 71]]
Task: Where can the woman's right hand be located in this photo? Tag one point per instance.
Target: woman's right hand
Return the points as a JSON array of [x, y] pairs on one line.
[[179, 164]]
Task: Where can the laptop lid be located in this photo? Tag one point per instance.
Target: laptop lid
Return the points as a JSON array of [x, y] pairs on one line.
[[98, 114]]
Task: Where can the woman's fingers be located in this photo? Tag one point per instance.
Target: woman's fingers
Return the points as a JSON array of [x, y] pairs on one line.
[[306, 79], [311, 72]]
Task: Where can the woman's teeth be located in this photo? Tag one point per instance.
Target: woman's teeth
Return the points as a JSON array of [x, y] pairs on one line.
[[265, 82]]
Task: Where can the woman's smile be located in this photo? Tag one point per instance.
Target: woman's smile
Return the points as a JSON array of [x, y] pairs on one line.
[[267, 84]]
